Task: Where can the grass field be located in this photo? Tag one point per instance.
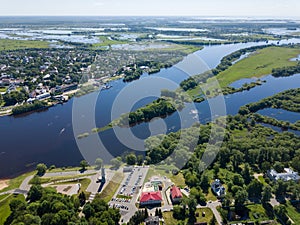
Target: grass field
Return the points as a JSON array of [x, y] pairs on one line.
[[4, 207], [178, 179], [107, 42], [6, 44], [169, 220], [292, 212], [258, 64], [112, 187]]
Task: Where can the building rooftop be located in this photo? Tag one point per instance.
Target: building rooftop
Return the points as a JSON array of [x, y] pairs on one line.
[[151, 196]]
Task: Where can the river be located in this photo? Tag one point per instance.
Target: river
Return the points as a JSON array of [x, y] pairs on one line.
[[48, 136]]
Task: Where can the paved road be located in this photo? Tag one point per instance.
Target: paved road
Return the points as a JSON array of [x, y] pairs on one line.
[[165, 194], [213, 206]]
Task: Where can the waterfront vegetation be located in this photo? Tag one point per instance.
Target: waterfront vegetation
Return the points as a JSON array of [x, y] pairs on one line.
[[28, 107], [273, 59]]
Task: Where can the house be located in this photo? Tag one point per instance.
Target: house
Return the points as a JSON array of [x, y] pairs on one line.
[[150, 198], [218, 188], [175, 195], [286, 175], [152, 220]]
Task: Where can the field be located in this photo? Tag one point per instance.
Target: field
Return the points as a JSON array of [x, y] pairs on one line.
[[169, 220], [293, 213], [258, 64], [6, 44], [85, 182], [178, 179], [4, 207]]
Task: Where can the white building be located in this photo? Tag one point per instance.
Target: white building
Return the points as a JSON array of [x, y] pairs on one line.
[[286, 175]]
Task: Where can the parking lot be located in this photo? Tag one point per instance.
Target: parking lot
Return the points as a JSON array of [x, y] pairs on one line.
[[128, 192]]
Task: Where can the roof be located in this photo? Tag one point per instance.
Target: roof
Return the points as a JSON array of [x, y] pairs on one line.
[[151, 196], [175, 192]]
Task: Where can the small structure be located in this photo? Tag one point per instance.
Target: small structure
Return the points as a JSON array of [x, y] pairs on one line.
[[150, 198], [175, 194], [286, 175], [152, 220], [127, 169], [218, 188]]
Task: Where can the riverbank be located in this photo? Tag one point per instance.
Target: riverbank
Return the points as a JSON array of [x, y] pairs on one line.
[[3, 183]]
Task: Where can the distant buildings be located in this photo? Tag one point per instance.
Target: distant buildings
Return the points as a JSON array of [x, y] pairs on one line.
[[150, 198], [287, 175], [175, 194], [218, 188]]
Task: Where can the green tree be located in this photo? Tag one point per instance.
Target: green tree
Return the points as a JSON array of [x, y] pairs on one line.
[[140, 160], [266, 195], [35, 193], [116, 162], [254, 189], [240, 198], [41, 169], [98, 163], [131, 159], [83, 164]]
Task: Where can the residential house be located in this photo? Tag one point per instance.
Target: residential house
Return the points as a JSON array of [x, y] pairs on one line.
[[218, 188], [286, 175]]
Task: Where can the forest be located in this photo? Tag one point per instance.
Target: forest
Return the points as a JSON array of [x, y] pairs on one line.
[[47, 207]]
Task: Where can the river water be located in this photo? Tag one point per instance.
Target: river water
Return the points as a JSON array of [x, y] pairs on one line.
[[48, 136]]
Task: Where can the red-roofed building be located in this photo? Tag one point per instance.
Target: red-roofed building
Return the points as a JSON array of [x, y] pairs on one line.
[[150, 198], [175, 194]]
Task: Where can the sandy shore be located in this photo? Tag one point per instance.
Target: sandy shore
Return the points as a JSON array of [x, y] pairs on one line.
[[3, 184]]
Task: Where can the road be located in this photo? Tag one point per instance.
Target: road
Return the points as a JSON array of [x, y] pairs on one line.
[[213, 206]]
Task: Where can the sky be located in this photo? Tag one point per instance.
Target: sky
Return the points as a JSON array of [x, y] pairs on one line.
[[235, 8]]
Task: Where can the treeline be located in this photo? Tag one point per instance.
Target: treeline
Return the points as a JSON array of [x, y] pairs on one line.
[[46, 206], [286, 71], [285, 125], [28, 107], [158, 108], [288, 100]]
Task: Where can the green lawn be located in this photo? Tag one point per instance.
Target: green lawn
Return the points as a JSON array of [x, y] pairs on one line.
[[178, 179], [262, 180], [16, 182], [107, 42], [111, 187], [6, 44], [3, 89], [169, 220], [292, 212], [4, 207], [257, 212]]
